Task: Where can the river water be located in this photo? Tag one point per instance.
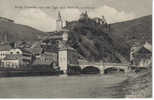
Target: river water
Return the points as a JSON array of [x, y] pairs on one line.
[[84, 86]]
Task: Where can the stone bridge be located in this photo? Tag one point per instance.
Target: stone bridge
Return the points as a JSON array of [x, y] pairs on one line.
[[103, 66]]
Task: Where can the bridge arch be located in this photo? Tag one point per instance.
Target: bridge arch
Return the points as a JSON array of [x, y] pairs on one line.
[[91, 70], [113, 69]]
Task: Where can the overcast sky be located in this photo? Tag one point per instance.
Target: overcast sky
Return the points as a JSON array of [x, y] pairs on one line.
[[42, 14]]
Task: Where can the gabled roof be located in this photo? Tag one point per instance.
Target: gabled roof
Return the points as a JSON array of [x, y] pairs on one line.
[[145, 48], [5, 47], [25, 51], [34, 50], [148, 46], [13, 57]]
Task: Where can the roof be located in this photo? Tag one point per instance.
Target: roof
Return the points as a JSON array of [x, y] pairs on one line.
[[34, 50], [148, 46], [5, 47], [49, 53], [13, 57], [142, 50], [6, 19], [67, 48], [145, 48]]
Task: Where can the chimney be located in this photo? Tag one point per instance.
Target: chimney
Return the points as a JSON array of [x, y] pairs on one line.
[[5, 36]]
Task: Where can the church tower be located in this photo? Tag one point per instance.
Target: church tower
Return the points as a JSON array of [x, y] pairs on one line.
[[59, 23], [63, 52]]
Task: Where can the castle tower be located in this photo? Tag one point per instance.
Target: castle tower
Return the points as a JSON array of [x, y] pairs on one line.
[[59, 23], [103, 19], [84, 16]]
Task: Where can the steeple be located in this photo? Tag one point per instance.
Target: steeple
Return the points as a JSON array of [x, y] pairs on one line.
[[59, 16], [59, 22]]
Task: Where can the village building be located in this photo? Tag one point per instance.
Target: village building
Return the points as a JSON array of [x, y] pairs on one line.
[[4, 50], [11, 61], [15, 58], [45, 58], [35, 49], [141, 55]]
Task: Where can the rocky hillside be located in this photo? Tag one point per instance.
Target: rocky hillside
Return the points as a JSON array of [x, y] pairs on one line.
[[91, 41], [17, 32], [94, 43]]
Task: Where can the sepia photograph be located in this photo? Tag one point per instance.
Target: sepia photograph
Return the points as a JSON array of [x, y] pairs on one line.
[[76, 49]]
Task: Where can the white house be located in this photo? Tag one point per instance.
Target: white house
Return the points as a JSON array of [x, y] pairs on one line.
[[11, 61]]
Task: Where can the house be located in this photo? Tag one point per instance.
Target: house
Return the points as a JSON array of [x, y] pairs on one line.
[[27, 57], [45, 58], [11, 61], [141, 56], [16, 58], [4, 50], [35, 49]]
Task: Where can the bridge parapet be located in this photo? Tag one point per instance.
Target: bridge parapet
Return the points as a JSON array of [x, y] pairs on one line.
[[103, 66], [116, 64]]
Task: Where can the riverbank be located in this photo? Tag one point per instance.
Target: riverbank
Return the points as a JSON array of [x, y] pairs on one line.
[[139, 85]]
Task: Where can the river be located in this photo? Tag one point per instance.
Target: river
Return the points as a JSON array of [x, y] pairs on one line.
[[84, 86]]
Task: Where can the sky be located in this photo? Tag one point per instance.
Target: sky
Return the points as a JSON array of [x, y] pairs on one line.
[[42, 14]]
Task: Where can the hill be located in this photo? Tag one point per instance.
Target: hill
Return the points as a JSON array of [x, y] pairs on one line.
[[123, 33], [17, 32], [91, 41]]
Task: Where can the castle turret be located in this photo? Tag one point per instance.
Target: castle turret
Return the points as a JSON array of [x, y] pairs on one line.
[[59, 23], [84, 16]]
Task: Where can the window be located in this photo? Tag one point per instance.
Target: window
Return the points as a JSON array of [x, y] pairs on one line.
[[18, 52]]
